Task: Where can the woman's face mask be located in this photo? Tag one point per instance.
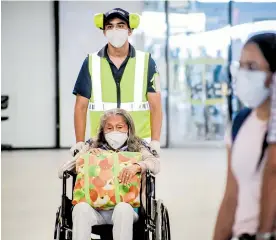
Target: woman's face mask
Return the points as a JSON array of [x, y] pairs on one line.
[[117, 37], [116, 139], [250, 87]]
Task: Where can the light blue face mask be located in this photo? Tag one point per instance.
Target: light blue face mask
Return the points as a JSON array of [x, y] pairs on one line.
[[116, 139], [250, 87]]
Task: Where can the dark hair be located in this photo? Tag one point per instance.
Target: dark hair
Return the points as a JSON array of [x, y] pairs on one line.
[[267, 44]]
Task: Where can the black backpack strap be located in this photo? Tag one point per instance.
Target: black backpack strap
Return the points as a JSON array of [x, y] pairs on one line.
[[264, 146], [238, 121]]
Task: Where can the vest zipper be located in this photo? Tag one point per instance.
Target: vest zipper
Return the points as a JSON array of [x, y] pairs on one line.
[[118, 94]]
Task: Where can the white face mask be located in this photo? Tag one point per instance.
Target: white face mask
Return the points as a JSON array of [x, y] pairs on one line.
[[116, 139], [117, 37], [250, 87]]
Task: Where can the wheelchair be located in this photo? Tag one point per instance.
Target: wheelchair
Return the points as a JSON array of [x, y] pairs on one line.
[[153, 223]]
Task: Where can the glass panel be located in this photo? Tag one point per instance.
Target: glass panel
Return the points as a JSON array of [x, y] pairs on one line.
[[198, 57], [152, 32]]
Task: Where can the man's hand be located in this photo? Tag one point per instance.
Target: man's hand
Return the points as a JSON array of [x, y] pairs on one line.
[[128, 173], [155, 147], [76, 148], [155, 105]]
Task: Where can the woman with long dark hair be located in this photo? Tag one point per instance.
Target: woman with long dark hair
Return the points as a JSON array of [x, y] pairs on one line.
[[239, 212]]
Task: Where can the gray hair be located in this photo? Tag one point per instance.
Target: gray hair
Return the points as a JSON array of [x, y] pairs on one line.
[[134, 143]]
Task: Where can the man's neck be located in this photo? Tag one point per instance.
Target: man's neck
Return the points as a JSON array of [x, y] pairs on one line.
[[121, 52]]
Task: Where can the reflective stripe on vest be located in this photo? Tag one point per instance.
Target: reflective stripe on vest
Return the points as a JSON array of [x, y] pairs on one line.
[[139, 76], [126, 106], [96, 78]]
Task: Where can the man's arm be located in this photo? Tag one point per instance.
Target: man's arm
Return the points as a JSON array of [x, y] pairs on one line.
[[82, 90], [268, 195], [154, 99], [80, 114]]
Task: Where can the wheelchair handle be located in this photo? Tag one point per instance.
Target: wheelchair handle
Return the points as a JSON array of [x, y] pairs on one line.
[[75, 152]]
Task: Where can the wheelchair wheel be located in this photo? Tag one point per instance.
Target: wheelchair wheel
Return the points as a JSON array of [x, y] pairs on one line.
[[162, 222], [62, 234], [166, 231], [59, 233]]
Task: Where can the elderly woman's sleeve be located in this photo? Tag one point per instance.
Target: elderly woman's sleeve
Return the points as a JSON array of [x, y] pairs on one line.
[[149, 161], [70, 165]]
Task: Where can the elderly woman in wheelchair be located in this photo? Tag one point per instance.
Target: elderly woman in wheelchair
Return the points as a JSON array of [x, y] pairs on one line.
[[116, 133]]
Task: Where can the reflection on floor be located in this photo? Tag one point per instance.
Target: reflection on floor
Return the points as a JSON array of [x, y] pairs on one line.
[[191, 183]]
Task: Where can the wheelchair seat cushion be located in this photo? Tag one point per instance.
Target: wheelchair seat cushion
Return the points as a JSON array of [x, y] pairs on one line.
[[97, 180]]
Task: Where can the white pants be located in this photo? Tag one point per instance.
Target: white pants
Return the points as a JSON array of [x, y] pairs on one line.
[[122, 217]]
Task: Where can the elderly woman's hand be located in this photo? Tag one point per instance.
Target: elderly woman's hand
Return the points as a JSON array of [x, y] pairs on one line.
[[128, 173], [95, 151]]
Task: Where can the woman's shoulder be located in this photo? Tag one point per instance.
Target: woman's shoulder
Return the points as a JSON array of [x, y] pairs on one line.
[[144, 144], [145, 147]]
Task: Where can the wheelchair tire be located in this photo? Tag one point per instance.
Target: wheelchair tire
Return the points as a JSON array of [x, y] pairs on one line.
[[63, 234], [57, 226], [162, 222], [60, 234], [166, 231]]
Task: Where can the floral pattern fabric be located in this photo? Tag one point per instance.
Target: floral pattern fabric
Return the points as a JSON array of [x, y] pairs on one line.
[[97, 181]]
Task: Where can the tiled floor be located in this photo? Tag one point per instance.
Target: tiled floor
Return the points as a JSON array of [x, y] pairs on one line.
[[191, 183]]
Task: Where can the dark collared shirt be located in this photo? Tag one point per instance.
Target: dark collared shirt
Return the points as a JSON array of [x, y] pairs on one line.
[[83, 85]]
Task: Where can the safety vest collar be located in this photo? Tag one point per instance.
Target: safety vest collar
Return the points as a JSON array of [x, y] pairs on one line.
[[103, 52]]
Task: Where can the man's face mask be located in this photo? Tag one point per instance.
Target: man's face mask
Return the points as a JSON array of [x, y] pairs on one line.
[[117, 37], [250, 87], [116, 139]]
